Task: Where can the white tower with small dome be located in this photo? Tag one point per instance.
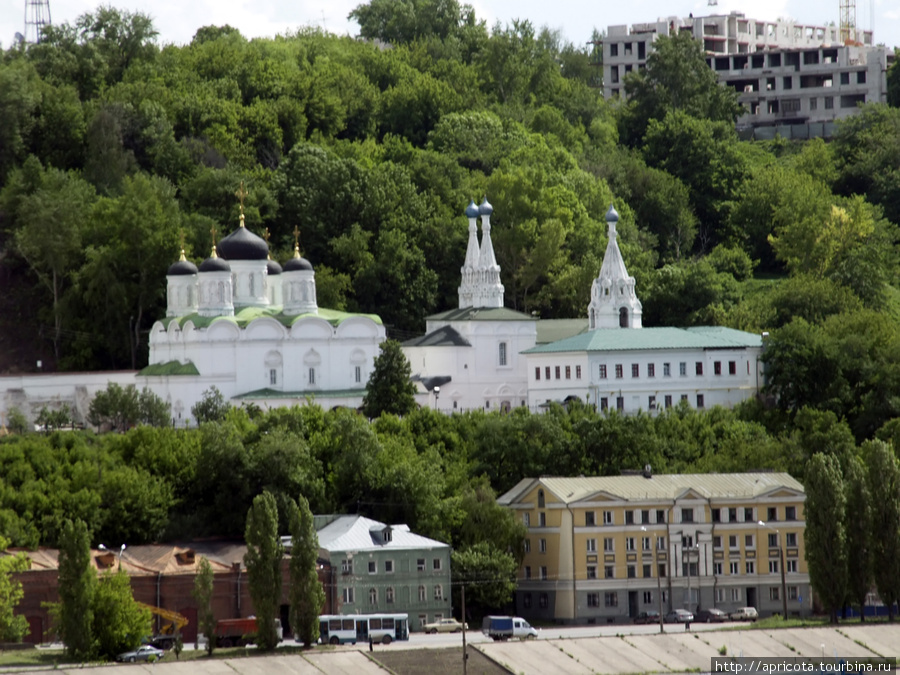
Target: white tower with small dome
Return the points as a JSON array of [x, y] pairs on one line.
[[614, 303], [480, 285]]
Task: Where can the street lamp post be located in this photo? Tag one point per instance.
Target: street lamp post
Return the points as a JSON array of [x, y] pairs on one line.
[[781, 564], [658, 582], [118, 555]]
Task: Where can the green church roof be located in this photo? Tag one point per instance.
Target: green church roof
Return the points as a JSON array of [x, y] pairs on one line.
[[247, 314], [631, 339], [169, 368]]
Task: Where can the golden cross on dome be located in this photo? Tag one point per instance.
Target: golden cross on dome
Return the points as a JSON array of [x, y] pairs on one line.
[[296, 242], [212, 231], [241, 194]]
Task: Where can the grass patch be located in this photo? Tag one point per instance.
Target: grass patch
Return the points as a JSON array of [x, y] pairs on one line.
[[723, 650], [775, 622]]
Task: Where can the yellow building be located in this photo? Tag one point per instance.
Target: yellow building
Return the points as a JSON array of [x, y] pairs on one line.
[[603, 549]]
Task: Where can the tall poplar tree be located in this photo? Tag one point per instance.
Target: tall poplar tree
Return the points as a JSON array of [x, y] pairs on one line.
[[307, 595], [203, 594], [263, 561], [77, 586], [884, 492], [859, 534], [826, 537]]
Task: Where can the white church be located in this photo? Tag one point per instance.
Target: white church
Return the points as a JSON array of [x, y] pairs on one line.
[[253, 329]]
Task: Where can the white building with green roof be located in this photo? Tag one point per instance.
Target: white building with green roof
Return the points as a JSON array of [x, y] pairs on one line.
[[471, 357], [618, 364], [253, 329]]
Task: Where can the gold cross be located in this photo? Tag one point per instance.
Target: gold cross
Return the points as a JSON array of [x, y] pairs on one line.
[[266, 235], [241, 194], [296, 237], [212, 231]]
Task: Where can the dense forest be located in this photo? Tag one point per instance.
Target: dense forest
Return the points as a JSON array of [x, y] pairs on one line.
[[116, 151]]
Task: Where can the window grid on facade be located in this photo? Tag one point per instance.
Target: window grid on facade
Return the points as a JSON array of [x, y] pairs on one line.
[[608, 545], [537, 373], [543, 573], [635, 370], [577, 372], [348, 596], [609, 572], [556, 371], [682, 369], [568, 372], [667, 370], [602, 371], [651, 370], [618, 371], [717, 368], [611, 599], [502, 354], [593, 599], [608, 518]]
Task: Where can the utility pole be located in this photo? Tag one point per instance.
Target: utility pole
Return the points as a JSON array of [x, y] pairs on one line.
[[463, 617]]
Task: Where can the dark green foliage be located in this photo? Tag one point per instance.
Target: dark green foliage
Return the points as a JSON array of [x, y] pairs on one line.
[[119, 623], [12, 626], [389, 389], [306, 593], [117, 408], [263, 561], [74, 615], [489, 575], [825, 538], [211, 407], [203, 595]]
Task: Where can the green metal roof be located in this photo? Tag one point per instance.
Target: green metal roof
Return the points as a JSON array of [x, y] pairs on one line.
[[631, 339], [481, 314], [169, 368], [247, 314], [317, 393], [552, 330]]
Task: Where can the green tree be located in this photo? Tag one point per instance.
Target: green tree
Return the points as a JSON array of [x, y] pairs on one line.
[[826, 535], [306, 594], [120, 623], [893, 81], [204, 584], [77, 585], [263, 561], [12, 626], [16, 421], [211, 407], [676, 79], [401, 21], [859, 533], [488, 574], [116, 407], [884, 536], [389, 389], [153, 410]]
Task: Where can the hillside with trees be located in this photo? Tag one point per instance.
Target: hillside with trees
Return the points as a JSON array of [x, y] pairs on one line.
[[116, 151]]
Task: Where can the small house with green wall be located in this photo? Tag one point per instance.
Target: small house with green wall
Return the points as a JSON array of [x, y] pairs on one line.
[[385, 568]]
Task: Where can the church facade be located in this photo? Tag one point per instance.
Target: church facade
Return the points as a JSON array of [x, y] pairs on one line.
[[253, 329], [617, 364]]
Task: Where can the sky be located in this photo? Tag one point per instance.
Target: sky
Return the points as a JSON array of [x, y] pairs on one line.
[[178, 20]]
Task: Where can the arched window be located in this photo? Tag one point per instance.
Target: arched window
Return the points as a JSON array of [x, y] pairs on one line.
[[502, 353], [540, 499], [623, 318], [421, 594], [593, 319], [389, 595], [373, 596]]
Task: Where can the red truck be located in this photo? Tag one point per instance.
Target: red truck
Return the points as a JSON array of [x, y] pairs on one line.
[[239, 632]]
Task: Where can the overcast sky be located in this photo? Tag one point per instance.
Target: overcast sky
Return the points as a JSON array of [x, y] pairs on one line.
[[178, 20]]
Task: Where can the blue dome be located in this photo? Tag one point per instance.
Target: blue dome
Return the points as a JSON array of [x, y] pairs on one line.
[[214, 264], [273, 267], [485, 209], [472, 209], [182, 268], [298, 264], [242, 244], [612, 215]]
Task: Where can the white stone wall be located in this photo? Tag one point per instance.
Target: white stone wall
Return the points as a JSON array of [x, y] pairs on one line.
[[723, 389]]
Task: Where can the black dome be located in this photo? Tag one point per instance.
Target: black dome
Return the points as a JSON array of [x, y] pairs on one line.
[[273, 267], [182, 268], [242, 244], [298, 265], [214, 265]]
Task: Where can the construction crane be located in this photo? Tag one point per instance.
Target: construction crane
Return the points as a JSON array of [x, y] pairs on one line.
[[37, 15], [848, 32], [165, 637]]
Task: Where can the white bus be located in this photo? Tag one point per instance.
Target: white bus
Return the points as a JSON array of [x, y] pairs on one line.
[[338, 629]]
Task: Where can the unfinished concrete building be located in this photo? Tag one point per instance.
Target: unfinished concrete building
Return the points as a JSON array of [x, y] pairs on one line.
[[793, 79]]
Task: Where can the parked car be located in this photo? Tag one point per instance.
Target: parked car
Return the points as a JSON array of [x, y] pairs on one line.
[[142, 653], [711, 615], [744, 614], [445, 626], [679, 616], [650, 616]]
